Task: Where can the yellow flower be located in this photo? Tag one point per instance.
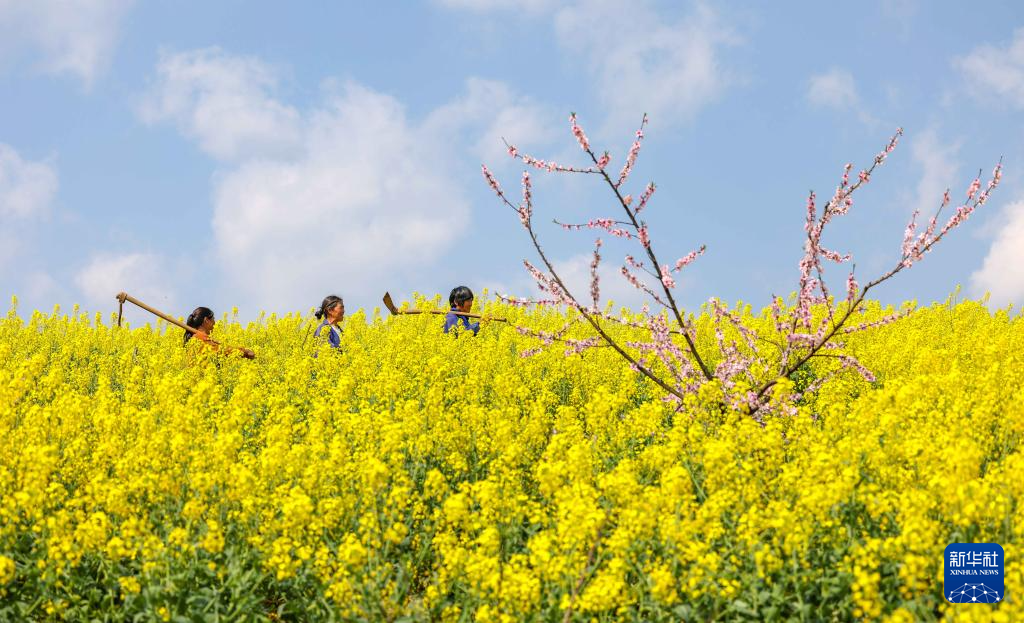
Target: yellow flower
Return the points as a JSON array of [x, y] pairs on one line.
[[213, 541], [129, 584], [663, 584], [7, 570], [396, 533], [178, 537], [423, 477]]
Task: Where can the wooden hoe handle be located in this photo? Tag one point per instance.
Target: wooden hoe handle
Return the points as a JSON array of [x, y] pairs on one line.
[[390, 304], [124, 296]]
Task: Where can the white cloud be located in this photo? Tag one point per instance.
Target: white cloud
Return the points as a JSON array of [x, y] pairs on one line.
[[35, 289], [490, 111], [10, 248], [74, 37], [639, 60], [40, 286], [371, 194], [939, 165], [143, 275], [498, 5], [224, 103], [834, 88], [1002, 272], [645, 63], [901, 10], [339, 197], [26, 188], [837, 89], [996, 73], [575, 273]]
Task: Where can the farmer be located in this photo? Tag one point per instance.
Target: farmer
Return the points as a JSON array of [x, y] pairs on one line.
[[332, 312], [203, 321], [461, 300]]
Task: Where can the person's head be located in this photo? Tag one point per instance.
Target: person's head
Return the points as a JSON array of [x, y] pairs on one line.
[[461, 298], [200, 319], [332, 308]]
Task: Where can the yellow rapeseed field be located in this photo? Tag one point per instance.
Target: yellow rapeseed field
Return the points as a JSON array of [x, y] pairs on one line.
[[421, 477]]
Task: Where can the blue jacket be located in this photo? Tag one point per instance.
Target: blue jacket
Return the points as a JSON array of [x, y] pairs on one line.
[[333, 334], [452, 321]]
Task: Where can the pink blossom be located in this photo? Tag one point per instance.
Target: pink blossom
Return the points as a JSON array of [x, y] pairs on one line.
[[577, 131], [644, 197], [851, 362], [961, 215], [720, 312], [687, 259], [839, 204], [634, 151], [631, 278], [493, 183], [975, 185], [807, 283], [800, 338], [549, 166], [595, 290], [662, 345], [516, 302], [526, 207], [540, 277], [809, 329], [777, 315], [997, 174], [877, 323], [811, 212], [547, 284], [880, 158], [833, 255], [908, 239], [632, 262], [639, 285], [924, 239], [666, 277], [575, 347], [638, 364], [606, 224]]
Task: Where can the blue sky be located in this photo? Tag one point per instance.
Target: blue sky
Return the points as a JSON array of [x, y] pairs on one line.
[[262, 156]]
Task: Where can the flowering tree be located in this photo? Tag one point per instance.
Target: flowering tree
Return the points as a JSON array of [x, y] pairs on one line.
[[748, 368]]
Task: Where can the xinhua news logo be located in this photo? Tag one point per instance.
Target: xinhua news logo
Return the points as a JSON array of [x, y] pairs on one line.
[[974, 573]]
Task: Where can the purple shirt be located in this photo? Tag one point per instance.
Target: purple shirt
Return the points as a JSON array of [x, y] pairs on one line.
[[333, 334], [452, 321]]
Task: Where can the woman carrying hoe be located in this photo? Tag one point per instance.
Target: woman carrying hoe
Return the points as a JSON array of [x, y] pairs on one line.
[[202, 320], [331, 312], [461, 300]]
